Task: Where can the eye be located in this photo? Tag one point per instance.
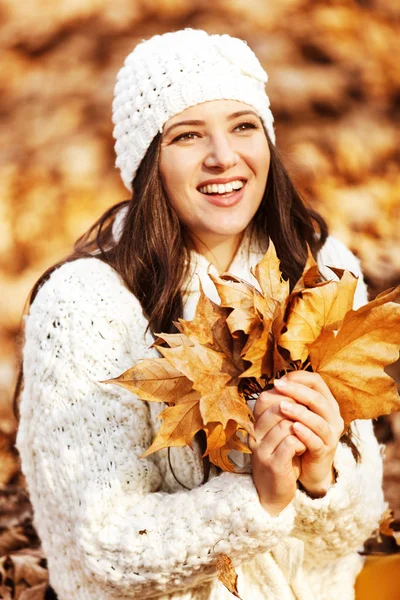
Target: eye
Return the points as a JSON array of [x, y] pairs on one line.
[[247, 125], [189, 135]]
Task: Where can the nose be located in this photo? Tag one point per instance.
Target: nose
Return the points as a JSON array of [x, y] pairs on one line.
[[221, 154]]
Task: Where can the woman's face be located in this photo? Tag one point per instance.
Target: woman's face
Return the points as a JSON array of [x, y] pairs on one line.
[[214, 166]]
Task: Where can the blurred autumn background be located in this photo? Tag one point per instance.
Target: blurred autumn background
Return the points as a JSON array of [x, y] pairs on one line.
[[334, 85]]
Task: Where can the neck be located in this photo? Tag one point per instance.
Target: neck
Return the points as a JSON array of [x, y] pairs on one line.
[[219, 251]]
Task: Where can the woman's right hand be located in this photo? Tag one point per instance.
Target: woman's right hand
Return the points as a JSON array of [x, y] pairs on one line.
[[275, 454]]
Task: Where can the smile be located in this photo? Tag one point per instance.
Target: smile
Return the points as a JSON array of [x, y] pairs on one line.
[[225, 199], [222, 188]]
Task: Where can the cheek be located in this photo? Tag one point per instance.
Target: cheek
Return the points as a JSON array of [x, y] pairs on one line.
[[174, 186], [176, 170], [260, 157]]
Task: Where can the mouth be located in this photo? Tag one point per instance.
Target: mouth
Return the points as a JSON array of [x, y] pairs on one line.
[[226, 194]]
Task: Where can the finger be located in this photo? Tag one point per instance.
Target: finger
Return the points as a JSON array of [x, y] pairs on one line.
[[312, 380], [265, 400], [270, 435], [327, 408], [314, 422], [267, 445], [268, 419], [289, 447], [313, 443]]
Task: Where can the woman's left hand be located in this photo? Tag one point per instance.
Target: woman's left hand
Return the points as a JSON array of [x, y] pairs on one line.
[[317, 423]]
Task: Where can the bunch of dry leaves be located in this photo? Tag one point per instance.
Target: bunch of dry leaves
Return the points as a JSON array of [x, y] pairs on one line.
[[230, 352]]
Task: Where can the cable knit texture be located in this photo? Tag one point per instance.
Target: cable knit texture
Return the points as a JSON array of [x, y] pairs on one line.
[[168, 73], [115, 526]]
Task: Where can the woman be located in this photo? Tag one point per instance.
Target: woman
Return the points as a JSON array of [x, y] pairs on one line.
[[195, 144]]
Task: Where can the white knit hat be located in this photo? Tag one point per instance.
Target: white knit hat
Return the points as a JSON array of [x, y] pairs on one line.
[[168, 73]]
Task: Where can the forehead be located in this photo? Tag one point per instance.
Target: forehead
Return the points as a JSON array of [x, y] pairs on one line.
[[207, 110]]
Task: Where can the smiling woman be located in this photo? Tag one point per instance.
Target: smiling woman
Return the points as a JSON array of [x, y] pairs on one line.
[[195, 146]]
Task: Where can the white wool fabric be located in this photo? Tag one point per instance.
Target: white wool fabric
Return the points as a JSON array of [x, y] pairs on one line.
[[115, 526], [168, 73]]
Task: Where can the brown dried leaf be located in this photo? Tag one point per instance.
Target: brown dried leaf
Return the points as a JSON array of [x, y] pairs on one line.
[[206, 368], [172, 339], [206, 315], [275, 289], [220, 458], [310, 276], [236, 443], [385, 522], [180, 424], [38, 592], [238, 295], [225, 405], [352, 362], [313, 310], [258, 351], [216, 437], [155, 380], [226, 573], [221, 441], [390, 527], [211, 372], [24, 569]]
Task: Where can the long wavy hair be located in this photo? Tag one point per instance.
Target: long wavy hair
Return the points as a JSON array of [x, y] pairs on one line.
[[153, 266]]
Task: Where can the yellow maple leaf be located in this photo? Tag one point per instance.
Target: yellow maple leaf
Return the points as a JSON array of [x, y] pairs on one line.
[[352, 362]]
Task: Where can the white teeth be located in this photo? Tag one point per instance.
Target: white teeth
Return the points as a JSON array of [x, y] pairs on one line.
[[237, 185], [222, 188]]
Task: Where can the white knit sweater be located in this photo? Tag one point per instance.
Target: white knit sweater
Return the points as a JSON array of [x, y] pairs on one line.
[[115, 526]]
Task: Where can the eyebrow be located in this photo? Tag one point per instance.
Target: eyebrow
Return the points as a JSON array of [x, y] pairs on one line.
[[232, 116]]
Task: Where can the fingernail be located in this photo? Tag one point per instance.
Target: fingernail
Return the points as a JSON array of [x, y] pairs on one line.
[[299, 427], [287, 406], [280, 383]]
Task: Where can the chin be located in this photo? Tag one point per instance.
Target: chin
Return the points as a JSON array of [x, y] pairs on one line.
[[231, 229]]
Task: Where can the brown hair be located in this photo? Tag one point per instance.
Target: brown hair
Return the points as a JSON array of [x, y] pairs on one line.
[[153, 266]]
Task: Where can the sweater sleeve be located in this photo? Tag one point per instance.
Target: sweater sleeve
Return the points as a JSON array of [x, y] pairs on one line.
[[80, 443], [345, 517]]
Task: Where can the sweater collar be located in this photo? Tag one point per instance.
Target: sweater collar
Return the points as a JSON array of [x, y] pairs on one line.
[[247, 256]]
